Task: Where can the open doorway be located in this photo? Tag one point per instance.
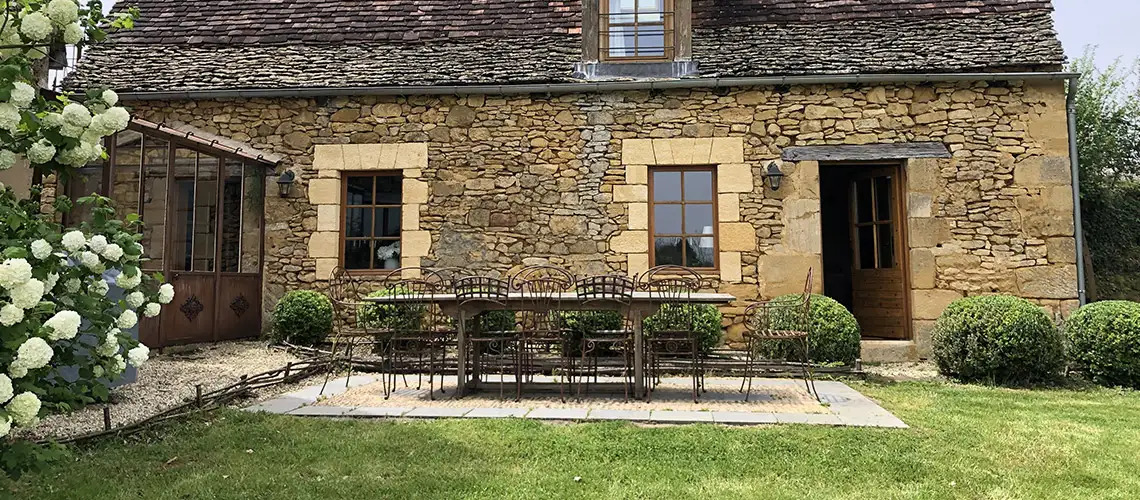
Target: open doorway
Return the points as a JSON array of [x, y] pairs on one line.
[[864, 261]]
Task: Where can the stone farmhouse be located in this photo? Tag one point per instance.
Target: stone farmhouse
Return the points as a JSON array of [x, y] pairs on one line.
[[911, 152]]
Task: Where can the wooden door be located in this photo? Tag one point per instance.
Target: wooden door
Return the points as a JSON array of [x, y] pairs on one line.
[[878, 275]]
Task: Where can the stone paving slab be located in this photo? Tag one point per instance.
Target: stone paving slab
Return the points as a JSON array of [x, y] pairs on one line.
[[722, 404]]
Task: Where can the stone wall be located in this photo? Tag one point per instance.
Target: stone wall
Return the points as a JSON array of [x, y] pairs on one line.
[[519, 178]]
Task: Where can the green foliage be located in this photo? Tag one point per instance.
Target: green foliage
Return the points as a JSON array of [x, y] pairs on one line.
[[1104, 342], [706, 322], [997, 339], [302, 317], [835, 333], [580, 323], [1112, 229]]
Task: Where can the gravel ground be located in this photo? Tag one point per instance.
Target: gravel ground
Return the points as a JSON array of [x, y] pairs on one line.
[[168, 380], [924, 370]]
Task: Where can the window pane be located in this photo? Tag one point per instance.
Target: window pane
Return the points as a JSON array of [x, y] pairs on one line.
[[650, 41], [358, 222], [125, 172], [359, 191], [698, 219], [84, 181], [253, 202], [698, 186], [667, 251], [231, 217], [206, 212], [387, 254], [666, 186], [886, 246], [654, 19], [155, 165], [883, 198], [388, 189], [388, 222], [667, 219], [863, 200], [622, 41], [357, 254], [650, 5], [182, 236], [866, 235], [699, 252]]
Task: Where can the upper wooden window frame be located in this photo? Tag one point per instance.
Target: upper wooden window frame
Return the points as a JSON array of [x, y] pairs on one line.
[[652, 203], [668, 26], [345, 206]]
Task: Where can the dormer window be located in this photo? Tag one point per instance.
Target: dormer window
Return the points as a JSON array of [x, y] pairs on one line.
[[636, 30]]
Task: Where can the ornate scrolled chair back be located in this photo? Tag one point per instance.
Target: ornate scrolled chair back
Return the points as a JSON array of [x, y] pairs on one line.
[[543, 286], [346, 292], [480, 289], [781, 319], [674, 286], [613, 291], [417, 310]]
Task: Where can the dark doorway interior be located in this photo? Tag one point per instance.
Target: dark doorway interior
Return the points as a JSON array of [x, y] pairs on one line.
[[835, 216]]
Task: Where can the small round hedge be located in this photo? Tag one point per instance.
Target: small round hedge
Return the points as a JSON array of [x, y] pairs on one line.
[[834, 332], [997, 339], [302, 317], [1104, 342]]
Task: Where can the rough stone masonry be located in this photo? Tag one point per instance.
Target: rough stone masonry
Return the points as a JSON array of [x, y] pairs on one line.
[[498, 181]]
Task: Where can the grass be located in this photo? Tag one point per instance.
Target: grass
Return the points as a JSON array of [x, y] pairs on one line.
[[965, 442]]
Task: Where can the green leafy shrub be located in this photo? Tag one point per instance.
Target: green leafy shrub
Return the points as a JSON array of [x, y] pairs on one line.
[[706, 323], [834, 338], [997, 339], [385, 316], [302, 317], [580, 323], [1104, 342]]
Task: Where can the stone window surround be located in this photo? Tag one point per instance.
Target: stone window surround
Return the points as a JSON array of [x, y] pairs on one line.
[[331, 161], [733, 177]]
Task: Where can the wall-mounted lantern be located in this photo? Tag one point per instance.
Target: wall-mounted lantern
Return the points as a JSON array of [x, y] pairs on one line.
[[285, 183], [774, 176]]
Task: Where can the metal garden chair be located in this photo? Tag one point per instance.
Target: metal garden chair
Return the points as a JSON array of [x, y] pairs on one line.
[[675, 342], [490, 345], [414, 330], [783, 321], [346, 292], [543, 340], [611, 293]]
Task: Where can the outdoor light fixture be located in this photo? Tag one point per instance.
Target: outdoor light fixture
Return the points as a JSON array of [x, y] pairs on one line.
[[774, 176], [285, 182]]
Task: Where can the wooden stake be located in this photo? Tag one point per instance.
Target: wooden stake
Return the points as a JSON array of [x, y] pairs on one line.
[[107, 417]]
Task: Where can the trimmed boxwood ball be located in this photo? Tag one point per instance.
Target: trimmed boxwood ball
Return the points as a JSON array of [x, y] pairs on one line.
[[997, 339], [835, 332], [1104, 342], [302, 317]]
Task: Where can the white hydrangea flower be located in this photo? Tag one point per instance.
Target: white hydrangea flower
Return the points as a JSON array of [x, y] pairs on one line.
[[151, 310], [73, 34], [135, 300], [74, 240], [36, 27], [41, 249], [9, 117], [64, 325], [113, 252], [5, 426], [41, 152], [98, 243], [165, 293], [91, 136], [14, 272], [27, 294], [72, 285], [110, 121], [17, 371], [138, 355], [33, 353], [90, 260], [62, 12], [110, 345], [110, 98], [99, 287], [128, 282], [10, 315], [7, 159], [24, 409], [119, 364], [127, 320], [53, 120], [76, 156], [50, 282], [76, 115], [5, 388], [22, 95]]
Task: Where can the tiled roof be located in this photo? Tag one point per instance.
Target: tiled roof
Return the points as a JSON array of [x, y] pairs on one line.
[[245, 44]]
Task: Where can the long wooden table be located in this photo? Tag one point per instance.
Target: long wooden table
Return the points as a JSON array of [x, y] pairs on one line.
[[643, 305]]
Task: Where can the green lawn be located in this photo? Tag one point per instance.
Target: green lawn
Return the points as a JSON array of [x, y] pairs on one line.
[[965, 442]]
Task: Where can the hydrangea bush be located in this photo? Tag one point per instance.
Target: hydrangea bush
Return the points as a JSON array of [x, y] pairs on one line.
[[54, 281]]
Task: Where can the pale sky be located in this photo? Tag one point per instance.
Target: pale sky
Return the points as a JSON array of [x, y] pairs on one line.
[[1111, 25]]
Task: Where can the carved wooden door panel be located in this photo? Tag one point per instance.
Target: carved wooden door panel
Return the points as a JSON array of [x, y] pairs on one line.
[[878, 275]]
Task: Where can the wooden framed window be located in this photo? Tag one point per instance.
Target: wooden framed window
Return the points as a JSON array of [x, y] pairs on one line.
[[636, 30], [370, 232], [873, 224], [682, 217]]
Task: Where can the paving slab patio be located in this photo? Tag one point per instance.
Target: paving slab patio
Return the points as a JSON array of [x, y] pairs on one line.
[[773, 401]]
